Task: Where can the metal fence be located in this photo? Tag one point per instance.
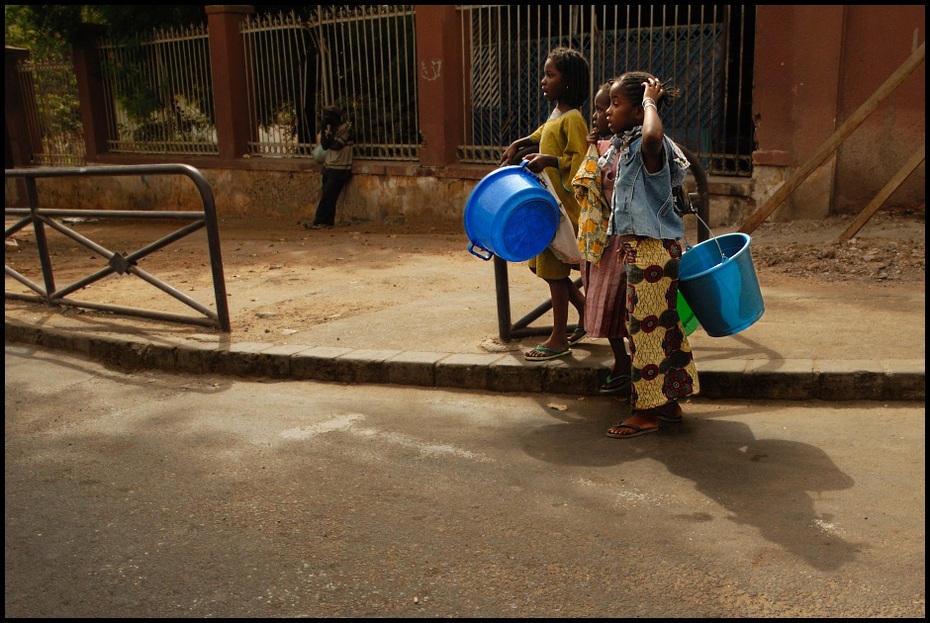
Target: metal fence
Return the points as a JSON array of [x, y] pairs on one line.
[[53, 111], [160, 94], [366, 64], [360, 58], [279, 59], [363, 58], [705, 50]]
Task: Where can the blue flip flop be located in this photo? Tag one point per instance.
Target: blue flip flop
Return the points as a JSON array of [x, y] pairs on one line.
[[576, 336], [547, 353]]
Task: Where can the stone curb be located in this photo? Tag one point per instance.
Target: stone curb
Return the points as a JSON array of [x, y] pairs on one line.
[[787, 379]]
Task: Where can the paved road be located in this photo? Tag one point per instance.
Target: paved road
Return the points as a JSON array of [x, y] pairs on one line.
[[153, 495]]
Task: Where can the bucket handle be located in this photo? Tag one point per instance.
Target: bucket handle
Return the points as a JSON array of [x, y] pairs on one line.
[[471, 249], [723, 257]]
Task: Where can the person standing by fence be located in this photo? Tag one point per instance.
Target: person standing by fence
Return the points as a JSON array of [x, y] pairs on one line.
[[337, 139]]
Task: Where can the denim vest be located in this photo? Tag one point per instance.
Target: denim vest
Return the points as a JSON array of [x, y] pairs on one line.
[[643, 203]]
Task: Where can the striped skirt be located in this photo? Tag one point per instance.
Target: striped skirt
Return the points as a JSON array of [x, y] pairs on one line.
[[605, 293]]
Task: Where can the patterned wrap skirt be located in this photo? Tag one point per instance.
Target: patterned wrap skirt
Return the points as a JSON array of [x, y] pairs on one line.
[[662, 364]]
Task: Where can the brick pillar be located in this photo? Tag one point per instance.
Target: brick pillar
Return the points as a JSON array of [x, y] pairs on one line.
[[94, 118], [439, 83], [227, 60]]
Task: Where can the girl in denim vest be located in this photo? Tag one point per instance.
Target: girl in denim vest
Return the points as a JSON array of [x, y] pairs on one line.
[[644, 221]]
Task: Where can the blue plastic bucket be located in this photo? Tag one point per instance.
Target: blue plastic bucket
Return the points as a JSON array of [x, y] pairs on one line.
[[688, 320], [719, 282], [510, 214]]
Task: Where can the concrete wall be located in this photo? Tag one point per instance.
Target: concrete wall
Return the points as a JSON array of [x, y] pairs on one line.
[[898, 127], [381, 193]]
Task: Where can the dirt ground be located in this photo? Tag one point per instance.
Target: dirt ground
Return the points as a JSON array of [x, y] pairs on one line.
[[280, 276]]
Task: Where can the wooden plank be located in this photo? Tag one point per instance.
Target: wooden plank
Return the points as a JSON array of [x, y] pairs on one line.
[[882, 196], [832, 143]]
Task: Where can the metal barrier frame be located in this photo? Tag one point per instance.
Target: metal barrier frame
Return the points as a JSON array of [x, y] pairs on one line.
[[119, 263]]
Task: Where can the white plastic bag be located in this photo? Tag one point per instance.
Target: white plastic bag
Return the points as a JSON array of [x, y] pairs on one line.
[[319, 154], [565, 242]]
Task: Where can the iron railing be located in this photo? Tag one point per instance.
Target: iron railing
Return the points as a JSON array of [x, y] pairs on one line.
[[160, 94], [53, 111], [706, 51], [279, 58], [363, 58], [366, 64]]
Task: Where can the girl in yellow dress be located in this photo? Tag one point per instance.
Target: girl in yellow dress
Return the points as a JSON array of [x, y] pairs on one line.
[[561, 144]]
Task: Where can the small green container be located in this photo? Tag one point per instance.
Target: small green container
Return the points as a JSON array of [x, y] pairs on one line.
[[688, 320]]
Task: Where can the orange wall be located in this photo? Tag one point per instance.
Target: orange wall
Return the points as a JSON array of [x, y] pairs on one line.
[[814, 67], [877, 42]]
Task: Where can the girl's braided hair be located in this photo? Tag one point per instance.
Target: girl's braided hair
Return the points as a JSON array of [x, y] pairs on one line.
[[574, 69], [632, 84]]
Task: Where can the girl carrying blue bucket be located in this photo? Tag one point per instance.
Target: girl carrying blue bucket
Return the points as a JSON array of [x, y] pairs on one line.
[[560, 145], [643, 217]]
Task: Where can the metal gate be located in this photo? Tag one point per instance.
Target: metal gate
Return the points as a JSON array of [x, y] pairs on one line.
[[706, 51]]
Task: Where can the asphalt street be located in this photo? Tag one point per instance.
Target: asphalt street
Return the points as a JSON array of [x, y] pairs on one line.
[[158, 495]]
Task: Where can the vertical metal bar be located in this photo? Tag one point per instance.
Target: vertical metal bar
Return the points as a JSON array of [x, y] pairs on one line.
[[48, 275], [216, 254], [246, 32], [276, 84], [398, 133], [181, 70], [502, 288], [737, 148], [265, 66], [465, 16], [253, 79], [356, 41], [614, 70], [716, 104], [387, 48], [393, 47], [412, 91]]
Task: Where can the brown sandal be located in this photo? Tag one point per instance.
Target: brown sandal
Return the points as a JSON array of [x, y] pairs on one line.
[[637, 431]]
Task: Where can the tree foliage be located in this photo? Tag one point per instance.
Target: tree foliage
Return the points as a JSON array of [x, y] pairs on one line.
[[54, 28]]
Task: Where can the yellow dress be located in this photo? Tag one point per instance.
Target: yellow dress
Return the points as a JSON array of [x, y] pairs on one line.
[[565, 136]]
